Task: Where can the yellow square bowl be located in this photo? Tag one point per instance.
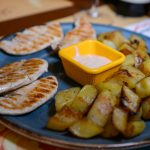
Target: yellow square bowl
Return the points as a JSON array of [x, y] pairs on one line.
[[85, 75]]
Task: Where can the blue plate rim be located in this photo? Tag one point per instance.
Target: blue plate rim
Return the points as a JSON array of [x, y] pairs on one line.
[[71, 145]]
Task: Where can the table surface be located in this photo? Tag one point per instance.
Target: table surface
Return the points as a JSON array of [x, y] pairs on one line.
[[12, 9], [8, 139]]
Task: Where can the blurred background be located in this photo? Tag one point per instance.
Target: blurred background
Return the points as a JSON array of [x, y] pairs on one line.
[[18, 14]]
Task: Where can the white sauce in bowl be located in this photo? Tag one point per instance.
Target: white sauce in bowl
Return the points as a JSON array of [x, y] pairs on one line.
[[91, 61]]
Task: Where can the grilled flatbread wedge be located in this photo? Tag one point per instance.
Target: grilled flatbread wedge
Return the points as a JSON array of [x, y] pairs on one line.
[[83, 31], [29, 97], [33, 39], [17, 74]]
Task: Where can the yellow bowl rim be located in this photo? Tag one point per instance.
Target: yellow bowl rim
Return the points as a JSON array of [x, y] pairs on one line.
[[93, 70]]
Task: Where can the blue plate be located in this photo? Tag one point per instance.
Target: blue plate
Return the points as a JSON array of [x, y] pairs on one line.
[[33, 125]]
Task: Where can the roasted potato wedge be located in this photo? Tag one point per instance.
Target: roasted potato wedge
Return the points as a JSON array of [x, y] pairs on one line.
[[113, 85], [63, 119], [126, 49], [134, 128], [97, 117], [138, 43], [109, 43], [85, 128], [129, 61], [146, 108], [110, 130], [65, 97], [84, 99], [115, 36], [129, 75], [69, 114], [136, 116], [143, 87], [101, 109], [120, 118], [130, 99], [145, 67], [141, 55]]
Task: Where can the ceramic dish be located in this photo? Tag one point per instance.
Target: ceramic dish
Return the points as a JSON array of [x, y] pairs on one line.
[[83, 74], [33, 125]]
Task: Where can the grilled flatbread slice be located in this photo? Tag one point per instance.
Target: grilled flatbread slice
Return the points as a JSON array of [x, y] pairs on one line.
[[29, 97], [83, 31], [33, 39], [17, 74]]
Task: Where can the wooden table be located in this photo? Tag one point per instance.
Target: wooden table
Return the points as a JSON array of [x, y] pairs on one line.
[[19, 14]]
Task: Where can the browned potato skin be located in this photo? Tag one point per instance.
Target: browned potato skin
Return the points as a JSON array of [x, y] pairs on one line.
[[146, 108], [65, 97], [69, 114], [143, 87], [138, 43], [97, 117], [143, 55], [126, 49], [85, 128], [119, 119], [109, 43], [63, 119], [129, 75], [134, 128], [101, 109], [137, 116], [110, 130], [115, 36], [114, 86], [84, 99], [145, 67], [130, 99], [129, 61]]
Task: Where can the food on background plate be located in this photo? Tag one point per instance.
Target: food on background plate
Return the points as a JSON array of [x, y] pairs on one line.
[[33, 39], [18, 74], [83, 31], [28, 98]]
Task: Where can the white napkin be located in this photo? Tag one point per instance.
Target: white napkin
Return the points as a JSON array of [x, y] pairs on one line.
[[142, 27]]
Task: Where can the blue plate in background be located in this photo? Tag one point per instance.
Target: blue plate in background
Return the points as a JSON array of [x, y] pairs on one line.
[[33, 125]]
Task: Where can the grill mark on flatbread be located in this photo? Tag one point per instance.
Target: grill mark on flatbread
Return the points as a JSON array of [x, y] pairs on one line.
[[83, 31], [18, 74], [29, 97], [34, 39]]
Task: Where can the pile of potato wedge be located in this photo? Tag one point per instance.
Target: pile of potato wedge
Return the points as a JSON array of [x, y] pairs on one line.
[[117, 106]]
